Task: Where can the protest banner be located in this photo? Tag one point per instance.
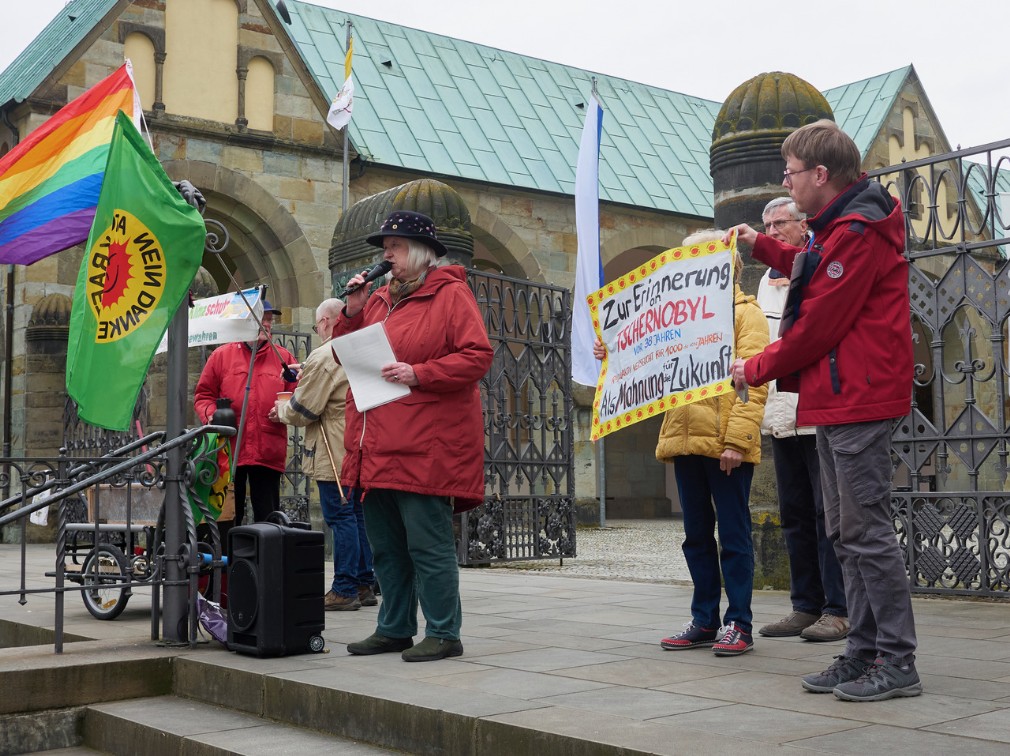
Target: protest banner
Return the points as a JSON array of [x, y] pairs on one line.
[[668, 329], [223, 319]]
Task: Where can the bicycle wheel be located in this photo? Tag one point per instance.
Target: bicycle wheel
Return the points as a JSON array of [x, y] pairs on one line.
[[104, 576]]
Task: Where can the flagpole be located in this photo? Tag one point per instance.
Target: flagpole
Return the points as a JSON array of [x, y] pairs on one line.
[[589, 265], [344, 200], [176, 592], [601, 458]]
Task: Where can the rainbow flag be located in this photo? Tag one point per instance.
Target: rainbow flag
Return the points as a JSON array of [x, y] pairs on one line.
[[50, 182]]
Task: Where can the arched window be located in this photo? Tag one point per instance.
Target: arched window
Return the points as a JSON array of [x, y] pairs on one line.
[[201, 45], [139, 50], [259, 94]]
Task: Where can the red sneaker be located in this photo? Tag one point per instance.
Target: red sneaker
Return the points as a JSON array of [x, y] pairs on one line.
[[732, 641], [692, 637]]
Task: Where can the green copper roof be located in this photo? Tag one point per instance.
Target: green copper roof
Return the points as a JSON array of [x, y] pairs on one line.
[[445, 107], [438, 105], [54, 43], [861, 107]]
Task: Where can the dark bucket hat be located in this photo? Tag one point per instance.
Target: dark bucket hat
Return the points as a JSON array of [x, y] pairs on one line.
[[409, 225]]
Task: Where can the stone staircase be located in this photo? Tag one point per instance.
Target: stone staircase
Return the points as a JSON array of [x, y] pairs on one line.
[[100, 697], [172, 724], [142, 702]]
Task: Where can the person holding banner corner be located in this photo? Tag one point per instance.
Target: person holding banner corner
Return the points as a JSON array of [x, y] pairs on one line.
[[250, 375], [847, 347], [816, 591], [713, 445]]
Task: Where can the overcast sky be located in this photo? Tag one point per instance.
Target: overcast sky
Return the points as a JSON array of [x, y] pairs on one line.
[[961, 50]]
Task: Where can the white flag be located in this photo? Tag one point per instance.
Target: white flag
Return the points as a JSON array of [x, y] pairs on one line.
[[588, 266], [340, 110]]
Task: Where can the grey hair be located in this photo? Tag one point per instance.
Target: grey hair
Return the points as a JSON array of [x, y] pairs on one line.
[[788, 204], [420, 257], [705, 235], [329, 308]]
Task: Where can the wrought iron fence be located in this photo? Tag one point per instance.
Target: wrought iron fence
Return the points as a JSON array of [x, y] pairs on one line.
[[950, 498], [528, 512]]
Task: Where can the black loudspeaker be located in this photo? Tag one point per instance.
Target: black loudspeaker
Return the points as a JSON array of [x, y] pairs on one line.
[[275, 589]]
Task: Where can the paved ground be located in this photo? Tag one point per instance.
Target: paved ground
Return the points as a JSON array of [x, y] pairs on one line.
[[577, 656], [637, 550]]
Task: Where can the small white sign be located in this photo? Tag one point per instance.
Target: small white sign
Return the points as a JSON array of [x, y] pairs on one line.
[[223, 319]]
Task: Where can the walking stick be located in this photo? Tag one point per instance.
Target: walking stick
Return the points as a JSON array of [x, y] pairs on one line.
[[333, 464]]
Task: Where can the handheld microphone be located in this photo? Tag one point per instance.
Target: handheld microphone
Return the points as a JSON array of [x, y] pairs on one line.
[[377, 272]]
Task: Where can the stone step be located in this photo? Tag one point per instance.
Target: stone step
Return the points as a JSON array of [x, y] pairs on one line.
[[170, 724], [383, 701]]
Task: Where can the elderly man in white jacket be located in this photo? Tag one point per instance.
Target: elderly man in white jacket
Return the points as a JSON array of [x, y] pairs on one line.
[[815, 577]]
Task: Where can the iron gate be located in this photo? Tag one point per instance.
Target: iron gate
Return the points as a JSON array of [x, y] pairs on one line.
[[950, 497], [529, 507]]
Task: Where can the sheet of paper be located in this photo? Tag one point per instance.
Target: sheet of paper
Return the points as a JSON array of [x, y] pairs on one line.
[[363, 353]]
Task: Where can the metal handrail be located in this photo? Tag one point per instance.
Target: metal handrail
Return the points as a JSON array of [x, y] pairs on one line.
[[117, 468], [75, 488]]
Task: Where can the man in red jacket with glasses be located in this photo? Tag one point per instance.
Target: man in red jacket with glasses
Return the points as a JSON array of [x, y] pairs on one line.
[[847, 349]]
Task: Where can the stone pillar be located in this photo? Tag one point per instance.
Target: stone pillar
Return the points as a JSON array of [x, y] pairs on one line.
[[746, 166], [350, 253], [45, 394]]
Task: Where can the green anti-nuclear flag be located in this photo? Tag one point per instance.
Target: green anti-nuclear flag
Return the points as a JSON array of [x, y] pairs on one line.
[[144, 249]]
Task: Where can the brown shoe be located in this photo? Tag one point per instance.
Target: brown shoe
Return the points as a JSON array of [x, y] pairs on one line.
[[828, 628], [793, 623], [366, 597], [334, 602]]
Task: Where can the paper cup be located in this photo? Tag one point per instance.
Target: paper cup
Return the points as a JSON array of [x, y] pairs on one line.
[[283, 396]]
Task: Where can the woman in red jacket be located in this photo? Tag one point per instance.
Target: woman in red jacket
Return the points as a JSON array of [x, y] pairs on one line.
[[419, 459]]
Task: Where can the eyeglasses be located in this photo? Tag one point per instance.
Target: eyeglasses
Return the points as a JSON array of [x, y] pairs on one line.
[[787, 175], [322, 320], [770, 225]]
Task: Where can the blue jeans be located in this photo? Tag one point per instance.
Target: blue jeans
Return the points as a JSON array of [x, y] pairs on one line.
[[352, 558], [699, 483], [815, 577]]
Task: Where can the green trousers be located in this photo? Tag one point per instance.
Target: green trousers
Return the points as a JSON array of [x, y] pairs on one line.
[[414, 557]]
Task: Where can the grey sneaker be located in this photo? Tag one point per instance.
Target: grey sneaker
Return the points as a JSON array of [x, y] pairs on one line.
[[843, 669], [792, 624], [828, 627], [880, 681]]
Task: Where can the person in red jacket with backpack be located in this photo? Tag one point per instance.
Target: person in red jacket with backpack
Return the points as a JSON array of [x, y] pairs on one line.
[[419, 459], [847, 348]]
